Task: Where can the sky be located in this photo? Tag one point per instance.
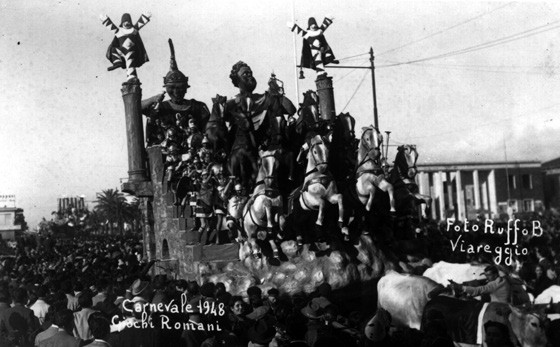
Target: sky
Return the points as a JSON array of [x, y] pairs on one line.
[[464, 81]]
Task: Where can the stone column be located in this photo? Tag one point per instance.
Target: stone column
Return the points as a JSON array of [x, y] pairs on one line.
[[485, 202], [460, 200], [450, 196], [476, 185], [326, 97], [132, 94], [493, 196], [438, 195]]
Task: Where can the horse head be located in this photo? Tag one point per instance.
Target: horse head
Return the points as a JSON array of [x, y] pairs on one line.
[[318, 153], [309, 109], [370, 143], [405, 161], [347, 124], [218, 106], [268, 167]]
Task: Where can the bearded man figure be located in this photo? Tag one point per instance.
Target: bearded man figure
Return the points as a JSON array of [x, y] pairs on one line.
[[249, 117]]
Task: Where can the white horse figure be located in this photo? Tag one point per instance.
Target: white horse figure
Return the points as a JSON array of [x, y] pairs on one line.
[[265, 206], [369, 173]]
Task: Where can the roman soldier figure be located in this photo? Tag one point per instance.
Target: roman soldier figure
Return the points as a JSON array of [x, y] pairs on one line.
[[166, 113]]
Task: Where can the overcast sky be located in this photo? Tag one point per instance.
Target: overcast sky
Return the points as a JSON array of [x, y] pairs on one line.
[[463, 81]]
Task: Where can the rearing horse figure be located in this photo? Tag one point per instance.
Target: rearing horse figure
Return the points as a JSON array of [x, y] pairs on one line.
[[402, 177], [264, 208], [369, 173], [318, 188]]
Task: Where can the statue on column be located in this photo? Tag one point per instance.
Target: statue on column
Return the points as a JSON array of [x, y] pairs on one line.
[[163, 115], [126, 51], [316, 52]]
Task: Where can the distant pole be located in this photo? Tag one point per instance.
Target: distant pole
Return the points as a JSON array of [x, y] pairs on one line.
[[375, 117], [295, 53]]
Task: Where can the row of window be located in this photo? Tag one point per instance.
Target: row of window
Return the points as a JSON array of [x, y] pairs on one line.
[[526, 205], [526, 181]]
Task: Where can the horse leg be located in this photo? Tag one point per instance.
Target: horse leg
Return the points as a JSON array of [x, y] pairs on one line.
[[320, 215], [388, 187], [370, 199], [291, 167], [268, 212], [250, 229], [425, 203], [275, 253], [337, 199]]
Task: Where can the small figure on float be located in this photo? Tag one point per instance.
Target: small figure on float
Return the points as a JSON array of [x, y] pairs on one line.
[[126, 51], [204, 210], [219, 203], [166, 113], [236, 201], [316, 52]]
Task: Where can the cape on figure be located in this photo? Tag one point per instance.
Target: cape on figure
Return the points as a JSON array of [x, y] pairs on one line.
[[127, 50], [316, 52]]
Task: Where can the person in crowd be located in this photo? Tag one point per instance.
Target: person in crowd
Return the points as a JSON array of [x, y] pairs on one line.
[[40, 307], [81, 325], [64, 320], [541, 281], [18, 324], [497, 287], [100, 329]]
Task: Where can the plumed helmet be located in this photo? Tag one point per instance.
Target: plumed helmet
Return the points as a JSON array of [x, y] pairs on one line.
[[174, 76]]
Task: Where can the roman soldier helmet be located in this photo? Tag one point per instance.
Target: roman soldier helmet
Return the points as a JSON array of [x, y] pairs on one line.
[[310, 22], [174, 76]]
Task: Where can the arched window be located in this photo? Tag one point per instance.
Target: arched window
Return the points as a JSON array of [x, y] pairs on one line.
[[165, 250]]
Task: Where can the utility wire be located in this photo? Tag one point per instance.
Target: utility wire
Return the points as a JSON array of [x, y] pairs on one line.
[[487, 123], [353, 56], [355, 91], [444, 30], [503, 40], [346, 75], [466, 68]]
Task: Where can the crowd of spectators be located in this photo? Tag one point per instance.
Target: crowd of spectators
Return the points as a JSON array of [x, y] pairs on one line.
[[99, 291]]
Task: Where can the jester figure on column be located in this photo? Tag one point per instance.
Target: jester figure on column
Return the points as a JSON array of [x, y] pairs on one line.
[[126, 51], [316, 52]]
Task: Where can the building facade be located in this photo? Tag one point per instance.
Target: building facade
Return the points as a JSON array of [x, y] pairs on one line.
[[9, 214], [551, 172], [466, 190]]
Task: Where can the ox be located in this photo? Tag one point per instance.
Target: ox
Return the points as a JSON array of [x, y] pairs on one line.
[[442, 272], [550, 294], [405, 297]]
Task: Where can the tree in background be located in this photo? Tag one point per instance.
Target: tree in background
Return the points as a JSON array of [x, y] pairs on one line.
[[113, 207]]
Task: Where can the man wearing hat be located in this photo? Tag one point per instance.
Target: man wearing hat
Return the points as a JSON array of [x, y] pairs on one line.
[[316, 52], [165, 114], [127, 50]]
